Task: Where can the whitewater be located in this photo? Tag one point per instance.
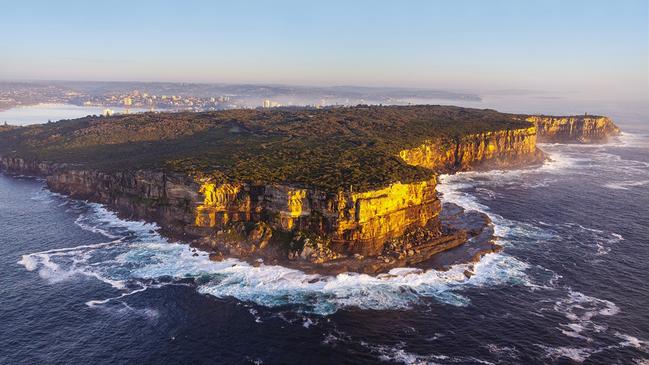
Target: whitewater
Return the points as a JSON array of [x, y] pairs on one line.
[[569, 285]]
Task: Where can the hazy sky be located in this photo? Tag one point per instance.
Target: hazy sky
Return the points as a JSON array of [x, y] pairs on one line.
[[575, 46]]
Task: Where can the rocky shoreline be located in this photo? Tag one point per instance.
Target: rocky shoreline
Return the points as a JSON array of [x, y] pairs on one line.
[[370, 231], [459, 237]]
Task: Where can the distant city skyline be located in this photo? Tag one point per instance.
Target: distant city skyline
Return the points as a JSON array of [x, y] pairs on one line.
[[598, 48]]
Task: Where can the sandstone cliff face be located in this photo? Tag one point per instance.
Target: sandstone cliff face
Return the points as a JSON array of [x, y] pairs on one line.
[[356, 222], [498, 149], [352, 222], [154, 196], [574, 129], [27, 167]]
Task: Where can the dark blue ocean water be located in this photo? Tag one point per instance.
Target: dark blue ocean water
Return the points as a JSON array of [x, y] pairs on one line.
[[80, 286]]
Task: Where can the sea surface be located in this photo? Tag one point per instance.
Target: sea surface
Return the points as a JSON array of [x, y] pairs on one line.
[[42, 113], [81, 286]]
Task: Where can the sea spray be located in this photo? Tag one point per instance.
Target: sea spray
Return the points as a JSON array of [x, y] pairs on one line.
[[141, 257]]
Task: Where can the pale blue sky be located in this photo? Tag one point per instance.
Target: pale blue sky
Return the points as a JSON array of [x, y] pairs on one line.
[[581, 46]]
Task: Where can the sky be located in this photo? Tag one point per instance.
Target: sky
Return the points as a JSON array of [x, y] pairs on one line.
[[597, 47]]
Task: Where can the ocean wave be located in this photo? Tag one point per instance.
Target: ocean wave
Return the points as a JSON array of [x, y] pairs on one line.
[[122, 310], [503, 351], [399, 354], [581, 354], [626, 185], [65, 264], [632, 140], [140, 258], [601, 240], [608, 161], [578, 355], [631, 341], [132, 267], [582, 312], [453, 190], [137, 257]]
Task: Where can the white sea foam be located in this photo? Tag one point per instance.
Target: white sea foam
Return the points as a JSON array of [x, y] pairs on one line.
[[453, 190], [140, 257], [575, 354], [255, 314], [399, 354], [503, 351], [601, 240], [582, 312], [29, 262], [582, 354], [580, 307], [628, 340], [626, 185], [632, 140], [143, 256], [122, 309]]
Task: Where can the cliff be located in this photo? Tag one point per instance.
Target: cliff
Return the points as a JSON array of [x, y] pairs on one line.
[[339, 190], [395, 225], [29, 167], [574, 129], [358, 221], [350, 222], [166, 198], [499, 149]]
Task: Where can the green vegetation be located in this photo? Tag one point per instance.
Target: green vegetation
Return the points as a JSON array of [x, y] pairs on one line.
[[324, 148]]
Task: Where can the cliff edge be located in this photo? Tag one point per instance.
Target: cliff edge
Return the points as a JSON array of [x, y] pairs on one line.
[[574, 129], [348, 189]]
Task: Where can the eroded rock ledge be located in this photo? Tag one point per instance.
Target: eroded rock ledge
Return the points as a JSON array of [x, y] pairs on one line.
[[371, 230], [573, 129]]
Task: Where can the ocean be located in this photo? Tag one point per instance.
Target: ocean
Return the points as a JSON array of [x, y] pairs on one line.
[[42, 113], [82, 286]]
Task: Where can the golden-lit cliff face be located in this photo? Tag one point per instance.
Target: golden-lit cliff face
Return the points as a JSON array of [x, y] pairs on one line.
[[362, 221], [222, 204], [500, 148], [353, 221], [334, 223], [286, 205], [581, 129], [366, 219]]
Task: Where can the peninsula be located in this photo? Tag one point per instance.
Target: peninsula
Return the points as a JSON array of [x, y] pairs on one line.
[[323, 190]]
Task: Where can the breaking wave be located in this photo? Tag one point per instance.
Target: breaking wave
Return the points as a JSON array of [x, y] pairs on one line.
[[137, 258], [399, 354]]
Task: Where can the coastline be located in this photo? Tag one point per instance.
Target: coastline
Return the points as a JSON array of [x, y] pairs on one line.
[[468, 236], [371, 232]]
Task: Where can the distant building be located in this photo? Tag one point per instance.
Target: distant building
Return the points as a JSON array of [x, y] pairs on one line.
[[107, 112], [128, 101], [266, 103]]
